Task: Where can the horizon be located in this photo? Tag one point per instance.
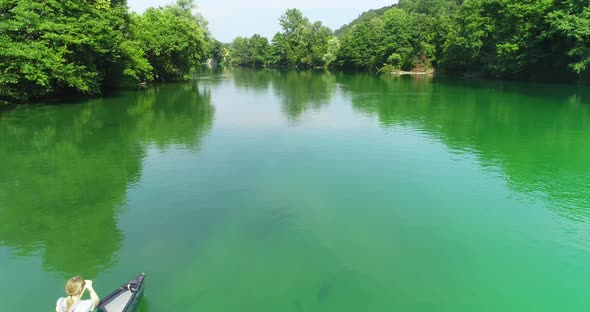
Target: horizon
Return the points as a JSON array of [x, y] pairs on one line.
[[262, 16]]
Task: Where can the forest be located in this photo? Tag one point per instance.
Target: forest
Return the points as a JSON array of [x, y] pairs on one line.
[[547, 40], [52, 48]]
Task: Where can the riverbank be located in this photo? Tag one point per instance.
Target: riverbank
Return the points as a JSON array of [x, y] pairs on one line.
[[412, 73]]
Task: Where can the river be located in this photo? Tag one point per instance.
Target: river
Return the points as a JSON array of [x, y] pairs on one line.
[[265, 190]]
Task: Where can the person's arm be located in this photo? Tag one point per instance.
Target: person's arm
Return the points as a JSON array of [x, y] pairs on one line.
[[93, 296]]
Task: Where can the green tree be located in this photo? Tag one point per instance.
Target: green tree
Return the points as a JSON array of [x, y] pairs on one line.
[[173, 38], [362, 19], [501, 38], [49, 47], [519, 40], [296, 32], [395, 60], [332, 51], [397, 37], [429, 7], [361, 46], [260, 50], [318, 44], [216, 50], [468, 39], [254, 51], [529, 39], [240, 51], [278, 49], [570, 26]]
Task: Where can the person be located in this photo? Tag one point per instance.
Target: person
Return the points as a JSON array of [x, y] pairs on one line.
[[73, 302]]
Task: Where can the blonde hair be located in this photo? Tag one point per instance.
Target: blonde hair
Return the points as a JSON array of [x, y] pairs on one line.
[[74, 287]]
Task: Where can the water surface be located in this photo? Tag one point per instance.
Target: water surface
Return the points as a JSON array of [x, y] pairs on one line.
[[303, 191]]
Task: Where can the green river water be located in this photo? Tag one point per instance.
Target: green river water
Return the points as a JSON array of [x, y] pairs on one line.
[[303, 191]]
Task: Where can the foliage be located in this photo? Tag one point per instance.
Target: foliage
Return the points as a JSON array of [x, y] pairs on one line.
[[363, 18], [84, 47], [254, 51], [332, 51], [63, 46], [216, 50], [174, 40], [301, 44], [360, 47], [395, 60], [570, 22], [296, 33], [410, 36], [528, 39]]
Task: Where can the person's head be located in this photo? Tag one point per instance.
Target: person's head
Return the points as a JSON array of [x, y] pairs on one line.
[[74, 286]]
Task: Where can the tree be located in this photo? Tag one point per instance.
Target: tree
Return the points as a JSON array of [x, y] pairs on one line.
[[278, 49], [174, 40], [318, 44], [397, 37], [570, 26], [361, 46], [468, 39], [49, 47], [254, 51], [332, 51], [240, 51], [296, 32], [519, 40], [260, 50]]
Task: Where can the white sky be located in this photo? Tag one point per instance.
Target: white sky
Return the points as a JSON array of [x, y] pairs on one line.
[[231, 18]]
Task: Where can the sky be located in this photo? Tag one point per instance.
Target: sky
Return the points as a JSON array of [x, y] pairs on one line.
[[232, 18]]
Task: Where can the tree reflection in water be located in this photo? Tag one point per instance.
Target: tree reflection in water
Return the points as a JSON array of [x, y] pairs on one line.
[[66, 170]]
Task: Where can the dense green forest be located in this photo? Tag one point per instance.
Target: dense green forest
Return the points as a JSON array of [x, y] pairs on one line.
[[53, 47], [86, 47], [508, 39]]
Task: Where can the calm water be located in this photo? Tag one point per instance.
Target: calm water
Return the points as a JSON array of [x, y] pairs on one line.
[[273, 191]]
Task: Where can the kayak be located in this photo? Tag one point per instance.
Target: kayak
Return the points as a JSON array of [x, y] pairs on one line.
[[125, 298]]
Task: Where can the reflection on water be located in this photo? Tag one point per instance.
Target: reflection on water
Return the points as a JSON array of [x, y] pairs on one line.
[[66, 170], [395, 192], [536, 134], [299, 91]]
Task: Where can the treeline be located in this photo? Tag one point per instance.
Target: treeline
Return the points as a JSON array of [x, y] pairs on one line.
[[85, 47], [301, 44], [509, 39]]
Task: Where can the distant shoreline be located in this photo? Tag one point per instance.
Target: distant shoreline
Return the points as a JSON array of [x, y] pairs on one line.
[[403, 72]]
